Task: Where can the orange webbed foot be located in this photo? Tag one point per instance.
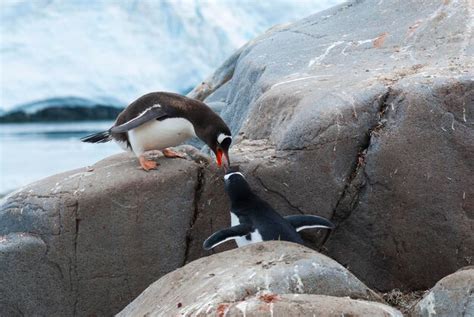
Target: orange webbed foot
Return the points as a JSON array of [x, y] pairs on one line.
[[147, 164], [172, 154]]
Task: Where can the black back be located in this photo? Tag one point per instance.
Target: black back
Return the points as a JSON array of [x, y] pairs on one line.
[[207, 124], [254, 211]]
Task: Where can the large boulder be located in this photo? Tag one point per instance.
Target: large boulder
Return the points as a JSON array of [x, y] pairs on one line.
[[88, 241], [452, 296], [365, 113], [276, 267]]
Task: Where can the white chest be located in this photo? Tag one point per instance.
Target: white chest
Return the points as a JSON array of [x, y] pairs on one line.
[[157, 135], [255, 236]]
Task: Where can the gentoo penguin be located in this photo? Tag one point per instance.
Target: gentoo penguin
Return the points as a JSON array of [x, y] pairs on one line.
[[159, 120], [254, 220]]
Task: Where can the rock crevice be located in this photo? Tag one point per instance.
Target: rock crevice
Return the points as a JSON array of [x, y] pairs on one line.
[[198, 191], [357, 178]]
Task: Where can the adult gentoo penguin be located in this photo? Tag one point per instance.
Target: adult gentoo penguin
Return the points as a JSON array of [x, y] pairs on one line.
[[159, 120], [254, 220]]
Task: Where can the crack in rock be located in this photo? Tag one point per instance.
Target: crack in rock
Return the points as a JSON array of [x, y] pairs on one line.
[[306, 34], [294, 207], [197, 198], [53, 264], [358, 179], [76, 234]]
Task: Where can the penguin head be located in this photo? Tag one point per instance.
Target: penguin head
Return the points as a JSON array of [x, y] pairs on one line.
[[211, 129], [235, 184], [219, 142]]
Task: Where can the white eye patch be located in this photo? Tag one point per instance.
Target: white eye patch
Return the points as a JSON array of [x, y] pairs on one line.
[[226, 177], [222, 137]]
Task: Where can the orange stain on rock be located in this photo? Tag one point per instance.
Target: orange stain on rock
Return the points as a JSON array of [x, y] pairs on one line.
[[269, 298], [222, 309], [378, 42]]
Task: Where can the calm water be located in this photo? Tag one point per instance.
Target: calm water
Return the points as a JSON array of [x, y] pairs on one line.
[[32, 151]]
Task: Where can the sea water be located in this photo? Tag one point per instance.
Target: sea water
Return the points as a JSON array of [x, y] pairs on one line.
[[32, 151]]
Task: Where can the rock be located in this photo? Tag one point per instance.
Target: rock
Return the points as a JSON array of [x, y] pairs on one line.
[[87, 242], [217, 106], [369, 126], [30, 275], [274, 267], [411, 193], [300, 305], [451, 296]]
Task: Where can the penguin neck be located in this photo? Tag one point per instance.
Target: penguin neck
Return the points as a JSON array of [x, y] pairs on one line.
[[242, 200], [205, 123]]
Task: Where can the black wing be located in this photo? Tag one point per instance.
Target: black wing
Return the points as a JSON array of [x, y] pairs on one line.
[[227, 234], [152, 113], [301, 222]]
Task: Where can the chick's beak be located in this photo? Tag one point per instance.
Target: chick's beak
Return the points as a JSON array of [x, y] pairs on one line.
[[222, 158]]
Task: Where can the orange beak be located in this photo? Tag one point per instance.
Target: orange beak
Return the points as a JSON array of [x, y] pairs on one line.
[[222, 158]]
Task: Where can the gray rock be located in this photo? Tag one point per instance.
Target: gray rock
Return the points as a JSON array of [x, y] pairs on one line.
[[218, 96], [409, 201], [217, 106], [366, 111], [230, 277], [88, 241], [452, 296], [30, 275], [362, 114], [302, 305]]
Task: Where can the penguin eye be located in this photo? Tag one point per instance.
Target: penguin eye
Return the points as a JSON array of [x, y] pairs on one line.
[[226, 142]]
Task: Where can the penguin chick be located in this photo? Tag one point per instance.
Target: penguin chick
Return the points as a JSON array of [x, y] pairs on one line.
[[159, 120], [254, 220]]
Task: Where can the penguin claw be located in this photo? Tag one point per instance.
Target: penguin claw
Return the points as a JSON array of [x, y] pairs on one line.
[[147, 164], [173, 154]]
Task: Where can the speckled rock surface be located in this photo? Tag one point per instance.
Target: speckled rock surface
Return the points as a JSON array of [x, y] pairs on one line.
[[86, 242], [366, 114], [452, 296], [228, 277], [302, 305]]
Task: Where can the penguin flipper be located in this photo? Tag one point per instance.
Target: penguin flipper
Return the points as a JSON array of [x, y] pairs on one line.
[[227, 234], [155, 112], [301, 222]]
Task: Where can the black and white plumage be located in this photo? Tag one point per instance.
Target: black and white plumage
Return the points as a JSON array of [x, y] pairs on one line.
[[160, 120], [254, 220]]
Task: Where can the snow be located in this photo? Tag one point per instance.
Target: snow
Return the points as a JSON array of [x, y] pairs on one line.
[[118, 50]]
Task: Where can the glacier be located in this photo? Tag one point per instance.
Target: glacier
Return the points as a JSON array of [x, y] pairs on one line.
[[115, 51]]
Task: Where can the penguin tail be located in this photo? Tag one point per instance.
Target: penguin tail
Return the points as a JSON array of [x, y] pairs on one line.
[[100, 137]]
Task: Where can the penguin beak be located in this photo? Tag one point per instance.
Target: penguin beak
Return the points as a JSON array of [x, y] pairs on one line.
[[222, 158]]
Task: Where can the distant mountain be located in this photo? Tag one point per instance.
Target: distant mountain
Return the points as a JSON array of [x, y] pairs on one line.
[[32, 107], [63, 109], [111, 52]]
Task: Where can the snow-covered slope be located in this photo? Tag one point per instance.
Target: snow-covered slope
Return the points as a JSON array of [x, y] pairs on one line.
[[118, 50]]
